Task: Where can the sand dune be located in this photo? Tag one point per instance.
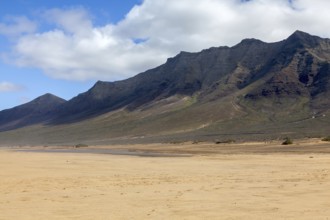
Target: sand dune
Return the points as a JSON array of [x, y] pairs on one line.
[[92, 186]]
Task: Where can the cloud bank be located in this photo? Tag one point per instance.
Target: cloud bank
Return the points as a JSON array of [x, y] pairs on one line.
[[73, 48]]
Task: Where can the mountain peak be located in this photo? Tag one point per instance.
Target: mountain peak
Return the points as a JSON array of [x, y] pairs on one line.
[[100, 82], [250, 41], [48, 98], [301, 34], [33, 112], [49, 95], [304, 39], [100, 85]]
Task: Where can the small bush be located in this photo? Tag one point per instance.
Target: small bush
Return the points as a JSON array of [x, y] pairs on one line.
[[287, 141], [326, 138], [229, 141], [80, 145], [176, 142]]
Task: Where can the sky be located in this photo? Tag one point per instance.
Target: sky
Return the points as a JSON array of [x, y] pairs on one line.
[[63, 47]]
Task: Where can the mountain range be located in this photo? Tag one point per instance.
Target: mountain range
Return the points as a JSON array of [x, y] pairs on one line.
[[251, 91]]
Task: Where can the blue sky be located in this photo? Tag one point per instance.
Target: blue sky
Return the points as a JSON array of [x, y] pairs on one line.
[[104, 11], [31, 82], [63, 47]]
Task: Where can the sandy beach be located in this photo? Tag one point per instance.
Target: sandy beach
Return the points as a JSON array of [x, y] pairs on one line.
[[48, 185]]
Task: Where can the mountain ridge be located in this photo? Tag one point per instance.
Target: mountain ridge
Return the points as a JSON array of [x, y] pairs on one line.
[[254, 84]]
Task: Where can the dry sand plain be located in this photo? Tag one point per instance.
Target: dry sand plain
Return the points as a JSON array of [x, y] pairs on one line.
[[228, 185]]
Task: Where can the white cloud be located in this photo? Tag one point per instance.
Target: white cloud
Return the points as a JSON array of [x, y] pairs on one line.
[[9, 87], [74, 21], [77, 50], [14, 26]]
